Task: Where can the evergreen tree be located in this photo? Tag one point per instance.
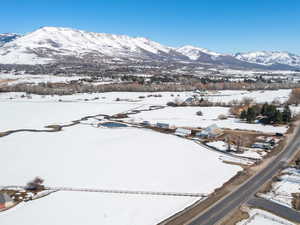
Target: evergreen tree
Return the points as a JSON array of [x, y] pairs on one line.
[[257, 109], [264, 109], [277, 117], [250, 115], [286, 114], [243, 114]]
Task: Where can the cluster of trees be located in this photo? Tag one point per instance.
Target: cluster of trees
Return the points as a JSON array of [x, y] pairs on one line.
[[269, 114]]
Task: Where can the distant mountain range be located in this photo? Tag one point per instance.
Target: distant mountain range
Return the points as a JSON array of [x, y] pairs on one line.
[[55, 44], [270, 58]]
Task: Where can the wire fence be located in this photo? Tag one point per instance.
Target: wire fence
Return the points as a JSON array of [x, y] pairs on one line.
[[112, 191]]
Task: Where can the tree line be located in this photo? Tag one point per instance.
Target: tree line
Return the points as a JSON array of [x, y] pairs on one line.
[[267, 114]]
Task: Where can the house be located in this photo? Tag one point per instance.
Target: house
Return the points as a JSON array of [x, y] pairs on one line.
[[189, 100], [163, 125], [210, 132], [183, 132], [5, 201]]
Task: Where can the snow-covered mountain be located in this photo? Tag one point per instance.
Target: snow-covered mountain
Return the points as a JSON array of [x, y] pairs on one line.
[[48, 44], [196, 53], [203, 55], [66, 45], [5, 38], [270, 58]]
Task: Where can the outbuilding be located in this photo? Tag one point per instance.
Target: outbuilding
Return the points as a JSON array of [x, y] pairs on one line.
[[163, 125], [261, 145], [183, 132]]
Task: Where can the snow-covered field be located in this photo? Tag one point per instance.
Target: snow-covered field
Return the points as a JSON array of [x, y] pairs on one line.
[[259, 96], [186, 116], [282, 190], [124, 158], [220, 96], [84, 156], [248, 152], [220, 145], [35, 79], [17, 79], [92, 208], [36, 115], [260, 217]]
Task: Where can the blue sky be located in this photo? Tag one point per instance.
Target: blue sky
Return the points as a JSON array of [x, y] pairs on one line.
[[220, 25]]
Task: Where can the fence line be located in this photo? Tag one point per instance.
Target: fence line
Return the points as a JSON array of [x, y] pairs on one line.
[[111, 191]]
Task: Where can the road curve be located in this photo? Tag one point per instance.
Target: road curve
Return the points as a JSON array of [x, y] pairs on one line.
[[275, 208], [241, 195]]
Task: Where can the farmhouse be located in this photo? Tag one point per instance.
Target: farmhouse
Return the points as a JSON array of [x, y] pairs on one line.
[[210, 132], [183, 132], [5, 201]]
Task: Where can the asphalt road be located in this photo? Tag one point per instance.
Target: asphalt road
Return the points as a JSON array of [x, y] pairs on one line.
[[279, 210], [225, 206]]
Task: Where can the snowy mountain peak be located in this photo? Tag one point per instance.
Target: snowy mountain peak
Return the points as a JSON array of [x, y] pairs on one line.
[[194, 53], [270, 57], [49, 42]]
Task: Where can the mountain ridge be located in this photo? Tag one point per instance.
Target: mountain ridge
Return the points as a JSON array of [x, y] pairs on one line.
[[53, 44], [8, 37]]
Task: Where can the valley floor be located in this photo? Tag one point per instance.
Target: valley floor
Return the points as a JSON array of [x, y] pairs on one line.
[[129, 158]]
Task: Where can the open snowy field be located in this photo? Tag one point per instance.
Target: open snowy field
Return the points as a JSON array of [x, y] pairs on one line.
[[280, 95], [35, 79], [36, 115], [84, 156], [37, 111], [219, 96], [261, 217], [92, 208]]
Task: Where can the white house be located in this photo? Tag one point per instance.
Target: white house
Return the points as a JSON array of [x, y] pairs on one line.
[[210, 132]]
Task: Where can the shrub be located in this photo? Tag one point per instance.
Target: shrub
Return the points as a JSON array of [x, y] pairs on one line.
[[199, 113], [222, 117], [171, 104]]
